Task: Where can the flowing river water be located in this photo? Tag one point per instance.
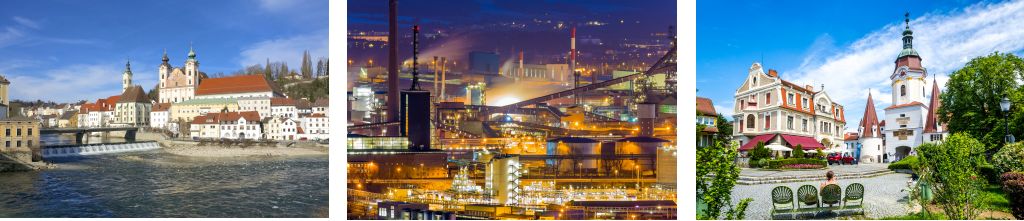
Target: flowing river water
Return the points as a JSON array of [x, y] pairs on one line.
[[158, 184]]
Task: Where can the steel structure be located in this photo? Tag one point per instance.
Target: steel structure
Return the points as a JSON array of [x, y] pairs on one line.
[[666, 64]]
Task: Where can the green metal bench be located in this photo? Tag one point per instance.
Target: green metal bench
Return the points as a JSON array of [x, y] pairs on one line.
[[832, 196], [782, 201], [854, 193], [808, 196]]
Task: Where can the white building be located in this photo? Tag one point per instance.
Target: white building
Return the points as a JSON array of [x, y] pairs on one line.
[[316, 127], [770, 110], [227, 125], [133, 108], [159, 115], [282, 128], [908, 116], [283, 107], [322, 106], [871, 139], [259, 104]]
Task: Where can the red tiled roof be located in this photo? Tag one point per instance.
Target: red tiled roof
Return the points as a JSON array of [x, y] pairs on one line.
[[234, 84], [317, 115], [881, 124], [705, 107], [280, 101], [930, 125], [764, 138], [915, 103], [808, 143], [218, 117], [711, 129], [851, 136], [869, 120], [322, 102], [161, 106], [300, 131]]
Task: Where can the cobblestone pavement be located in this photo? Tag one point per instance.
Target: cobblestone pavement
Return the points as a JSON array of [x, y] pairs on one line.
[[883, 196], [838, 169]]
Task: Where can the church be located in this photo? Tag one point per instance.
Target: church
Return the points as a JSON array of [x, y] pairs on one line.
[[179, 84], [911, 120]]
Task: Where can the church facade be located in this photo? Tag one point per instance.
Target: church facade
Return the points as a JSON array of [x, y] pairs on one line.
[[911, 120], [179, 84]]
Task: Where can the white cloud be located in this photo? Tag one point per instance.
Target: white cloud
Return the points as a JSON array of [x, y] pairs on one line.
[[68, 84], [945, 41], [26, 22], [281, 5], [725, 110], [286, 49]]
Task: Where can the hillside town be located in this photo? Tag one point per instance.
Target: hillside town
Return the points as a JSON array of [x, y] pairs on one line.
[[191, 105]]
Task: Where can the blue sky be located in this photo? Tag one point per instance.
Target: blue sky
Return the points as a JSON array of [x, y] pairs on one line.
[[73, 50], [848, 47]]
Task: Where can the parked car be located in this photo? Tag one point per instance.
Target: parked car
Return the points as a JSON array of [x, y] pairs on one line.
[[835, 158], [848, 159]]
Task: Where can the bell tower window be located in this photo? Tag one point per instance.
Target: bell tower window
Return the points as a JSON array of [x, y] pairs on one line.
[[903, 90]]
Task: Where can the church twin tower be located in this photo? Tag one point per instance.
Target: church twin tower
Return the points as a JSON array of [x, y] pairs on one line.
[[176, 84]]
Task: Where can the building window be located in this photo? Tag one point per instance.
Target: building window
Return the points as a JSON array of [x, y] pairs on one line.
[[750, 122], [767, 121], [768, 98], [805, 125], [903, 90], [789, 122]]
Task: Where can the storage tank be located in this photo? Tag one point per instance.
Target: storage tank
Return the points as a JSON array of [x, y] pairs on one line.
[[573, 146], [641, 145]]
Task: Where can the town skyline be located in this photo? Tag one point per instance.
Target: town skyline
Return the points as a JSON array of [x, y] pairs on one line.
[[856, 54], [82, 59]]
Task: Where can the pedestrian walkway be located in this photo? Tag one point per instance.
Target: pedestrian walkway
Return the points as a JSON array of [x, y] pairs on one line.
[[752, 176]]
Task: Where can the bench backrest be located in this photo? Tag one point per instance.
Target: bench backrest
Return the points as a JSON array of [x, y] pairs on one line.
[[782, 195], [808, 194], [855, 191], [831, 194]]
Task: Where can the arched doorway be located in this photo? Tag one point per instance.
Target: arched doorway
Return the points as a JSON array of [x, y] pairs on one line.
[[241, 136], [901, 152]]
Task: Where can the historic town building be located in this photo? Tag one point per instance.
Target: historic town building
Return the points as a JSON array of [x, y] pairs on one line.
[[133, 108], [910, 116], [770, 110], [179, 84]]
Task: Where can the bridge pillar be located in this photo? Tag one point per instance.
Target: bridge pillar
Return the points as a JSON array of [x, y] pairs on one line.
[[129, 135], [78, 137]]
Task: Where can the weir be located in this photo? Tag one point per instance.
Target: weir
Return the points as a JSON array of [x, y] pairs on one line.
[[96, 149]]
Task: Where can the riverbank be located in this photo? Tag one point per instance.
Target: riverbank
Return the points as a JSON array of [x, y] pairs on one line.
[[214, 151]]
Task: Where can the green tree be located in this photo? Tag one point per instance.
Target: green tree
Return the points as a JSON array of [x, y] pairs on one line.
[[306, 67], [821, 154], [267, 71], [798, 151], [724, 128], [971, 101], [715, 191], [952, 169]]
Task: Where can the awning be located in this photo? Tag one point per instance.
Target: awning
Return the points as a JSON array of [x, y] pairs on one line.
[[776, 147], [753, 142], [808, 143]]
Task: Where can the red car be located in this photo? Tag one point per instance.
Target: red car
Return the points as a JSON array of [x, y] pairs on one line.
[[834, 158], [848, 159]]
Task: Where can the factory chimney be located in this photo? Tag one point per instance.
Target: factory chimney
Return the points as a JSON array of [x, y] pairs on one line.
[[393, 66]]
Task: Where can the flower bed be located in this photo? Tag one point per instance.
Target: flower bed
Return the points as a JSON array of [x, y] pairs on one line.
[[781, 164], [803, 166], [1013, 185]]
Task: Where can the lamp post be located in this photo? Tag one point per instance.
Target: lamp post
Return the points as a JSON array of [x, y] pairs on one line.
[[1005, 106]]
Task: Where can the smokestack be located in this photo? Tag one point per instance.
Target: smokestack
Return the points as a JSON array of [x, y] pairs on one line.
[[415, 53], [572, 62], [444, 63], [433, 66], [522, 72], [393, 66]]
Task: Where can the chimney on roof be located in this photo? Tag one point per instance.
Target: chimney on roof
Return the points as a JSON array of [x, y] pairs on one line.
[[773, 73]]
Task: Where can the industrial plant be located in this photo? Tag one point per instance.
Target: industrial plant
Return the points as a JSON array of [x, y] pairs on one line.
[[472, 137]]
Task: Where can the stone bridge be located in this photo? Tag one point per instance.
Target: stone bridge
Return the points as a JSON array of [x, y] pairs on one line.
[[80, 132]]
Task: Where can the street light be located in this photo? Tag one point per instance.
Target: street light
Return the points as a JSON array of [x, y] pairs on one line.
[[1005, 105]]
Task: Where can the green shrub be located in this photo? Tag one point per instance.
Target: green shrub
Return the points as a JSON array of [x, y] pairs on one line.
[[1013, 186], [1010, 158], [908, 163], [798, 151], [763, 162], [952, 169], [759, 152], [821, 154], [777, 164], [990, 172]]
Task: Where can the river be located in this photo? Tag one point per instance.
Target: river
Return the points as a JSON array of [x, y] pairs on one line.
[[158, 184]]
